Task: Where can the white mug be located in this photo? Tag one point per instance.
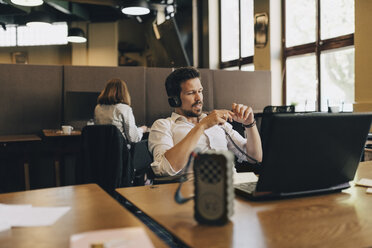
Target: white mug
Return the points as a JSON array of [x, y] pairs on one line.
[[67, 129]]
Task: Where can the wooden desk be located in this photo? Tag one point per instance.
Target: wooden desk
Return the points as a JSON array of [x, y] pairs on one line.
[[91, 209], [10, 144], [59, 133], [18, 138], [333, 220], [61, 145]]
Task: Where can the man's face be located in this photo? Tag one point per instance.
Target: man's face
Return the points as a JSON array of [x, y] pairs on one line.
[[191, 98]]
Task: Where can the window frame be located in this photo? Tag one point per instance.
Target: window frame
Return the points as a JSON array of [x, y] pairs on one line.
[[241, 60], [316, 47]]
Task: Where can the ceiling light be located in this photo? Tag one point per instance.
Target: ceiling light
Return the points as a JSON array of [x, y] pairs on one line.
[[29, 3], [38, 19], [76, 35], [136, 7], [135, 10]]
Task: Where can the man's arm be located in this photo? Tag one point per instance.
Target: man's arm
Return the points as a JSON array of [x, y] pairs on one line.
[[179, 154], [253, 146], [244, 114]]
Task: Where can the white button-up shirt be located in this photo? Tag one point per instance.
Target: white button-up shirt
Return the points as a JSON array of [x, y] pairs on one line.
[[120, 115], [165, 133]]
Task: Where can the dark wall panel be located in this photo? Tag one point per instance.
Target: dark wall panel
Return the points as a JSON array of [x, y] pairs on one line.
[[94, 79], [207, 83], [30, 98], [156, 97], [249, 88], [31, 95]]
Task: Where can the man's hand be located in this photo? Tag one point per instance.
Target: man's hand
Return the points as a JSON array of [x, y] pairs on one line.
[[216, 117], [242, 114]]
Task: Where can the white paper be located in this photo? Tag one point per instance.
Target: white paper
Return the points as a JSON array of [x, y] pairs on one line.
[[4, 226], [244, 177], [130, 237], [9, 212], [40, 216], [26, 215], [369, 190], [364, 182]]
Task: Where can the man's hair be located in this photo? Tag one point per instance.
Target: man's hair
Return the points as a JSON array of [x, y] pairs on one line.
[[178, 76], [115, 91]]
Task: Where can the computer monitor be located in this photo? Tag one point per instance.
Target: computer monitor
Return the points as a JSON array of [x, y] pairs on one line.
[[79, 107]]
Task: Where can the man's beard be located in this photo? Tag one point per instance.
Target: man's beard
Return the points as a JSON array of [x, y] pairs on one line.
[[190, 113]]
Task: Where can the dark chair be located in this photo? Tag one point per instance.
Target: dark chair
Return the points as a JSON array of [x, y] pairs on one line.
[[106, 158], [142, 159], [141, 162], [279, 109]]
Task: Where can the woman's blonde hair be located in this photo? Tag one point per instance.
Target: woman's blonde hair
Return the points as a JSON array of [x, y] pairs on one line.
[[115, 91]]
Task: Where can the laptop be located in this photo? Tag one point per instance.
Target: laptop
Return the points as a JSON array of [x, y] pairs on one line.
[[308, 154]]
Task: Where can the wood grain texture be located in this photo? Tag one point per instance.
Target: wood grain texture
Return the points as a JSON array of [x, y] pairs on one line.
[[58, 133], [19, 138], [91, 209], [332, 220]]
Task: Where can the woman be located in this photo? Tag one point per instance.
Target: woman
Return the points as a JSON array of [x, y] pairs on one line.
[[114, 108]]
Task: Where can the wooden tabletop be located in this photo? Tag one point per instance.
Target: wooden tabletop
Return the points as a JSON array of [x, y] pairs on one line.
[[59, 133], [333, 220], [91, 209], [19, 138]]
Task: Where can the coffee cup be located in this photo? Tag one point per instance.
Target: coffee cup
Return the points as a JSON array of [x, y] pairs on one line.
[[67, 129]]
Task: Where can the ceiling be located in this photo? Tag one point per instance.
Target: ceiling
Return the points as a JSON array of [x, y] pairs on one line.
[[77, 10]]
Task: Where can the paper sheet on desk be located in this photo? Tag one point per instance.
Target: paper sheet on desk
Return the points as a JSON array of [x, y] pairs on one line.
[[244, 177], [364, 182], [121, 237], [26, 215]]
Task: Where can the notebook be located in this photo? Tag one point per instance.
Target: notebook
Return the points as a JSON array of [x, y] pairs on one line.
[[308, 153]]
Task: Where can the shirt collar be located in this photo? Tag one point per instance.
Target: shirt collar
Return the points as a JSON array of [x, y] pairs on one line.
[[175, 117]]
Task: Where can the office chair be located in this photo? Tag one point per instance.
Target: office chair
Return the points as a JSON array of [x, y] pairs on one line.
[[142, 159], [279, 109], [141, 163], [106, 158]]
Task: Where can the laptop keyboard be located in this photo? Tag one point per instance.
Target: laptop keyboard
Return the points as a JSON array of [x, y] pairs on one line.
[[249, 187]]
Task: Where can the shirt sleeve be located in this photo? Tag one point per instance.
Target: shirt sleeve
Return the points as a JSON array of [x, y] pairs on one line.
[[161, 140], [132, 132], [234, 137]]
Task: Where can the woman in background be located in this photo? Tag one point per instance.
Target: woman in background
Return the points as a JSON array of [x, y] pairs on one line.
[[114, 108]]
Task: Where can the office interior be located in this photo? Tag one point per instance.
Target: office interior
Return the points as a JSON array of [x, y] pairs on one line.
[[42, 93]]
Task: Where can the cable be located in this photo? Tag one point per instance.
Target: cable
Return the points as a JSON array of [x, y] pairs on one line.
[[178, 197], [240, 150]]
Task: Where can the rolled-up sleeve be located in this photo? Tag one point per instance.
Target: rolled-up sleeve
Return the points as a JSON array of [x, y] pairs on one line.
[[161, 140], [238, 140]]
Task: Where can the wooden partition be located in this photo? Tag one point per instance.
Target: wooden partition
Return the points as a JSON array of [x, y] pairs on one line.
[[249, 88], [94, 79], [156, 97], [207, 82], [37, 97], [30, 98]]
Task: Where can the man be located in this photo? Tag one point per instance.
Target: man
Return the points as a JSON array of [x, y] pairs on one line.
[[172, 140]]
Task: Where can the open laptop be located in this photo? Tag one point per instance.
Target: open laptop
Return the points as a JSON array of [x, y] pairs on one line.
[[308, 153]]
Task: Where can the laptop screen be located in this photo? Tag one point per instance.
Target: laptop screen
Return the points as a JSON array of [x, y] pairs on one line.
[[311, 151]]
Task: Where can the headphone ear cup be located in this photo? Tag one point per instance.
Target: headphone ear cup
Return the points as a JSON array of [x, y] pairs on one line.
[[174, 101]]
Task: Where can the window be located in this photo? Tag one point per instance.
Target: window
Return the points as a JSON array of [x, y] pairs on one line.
[[8, 36], [319, 54], [237, 35], [55, 34]]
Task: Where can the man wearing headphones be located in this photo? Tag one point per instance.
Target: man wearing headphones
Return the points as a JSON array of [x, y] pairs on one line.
[[172, 140]]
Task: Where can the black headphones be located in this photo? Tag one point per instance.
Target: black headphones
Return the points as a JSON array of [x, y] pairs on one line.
[[174, 101]]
